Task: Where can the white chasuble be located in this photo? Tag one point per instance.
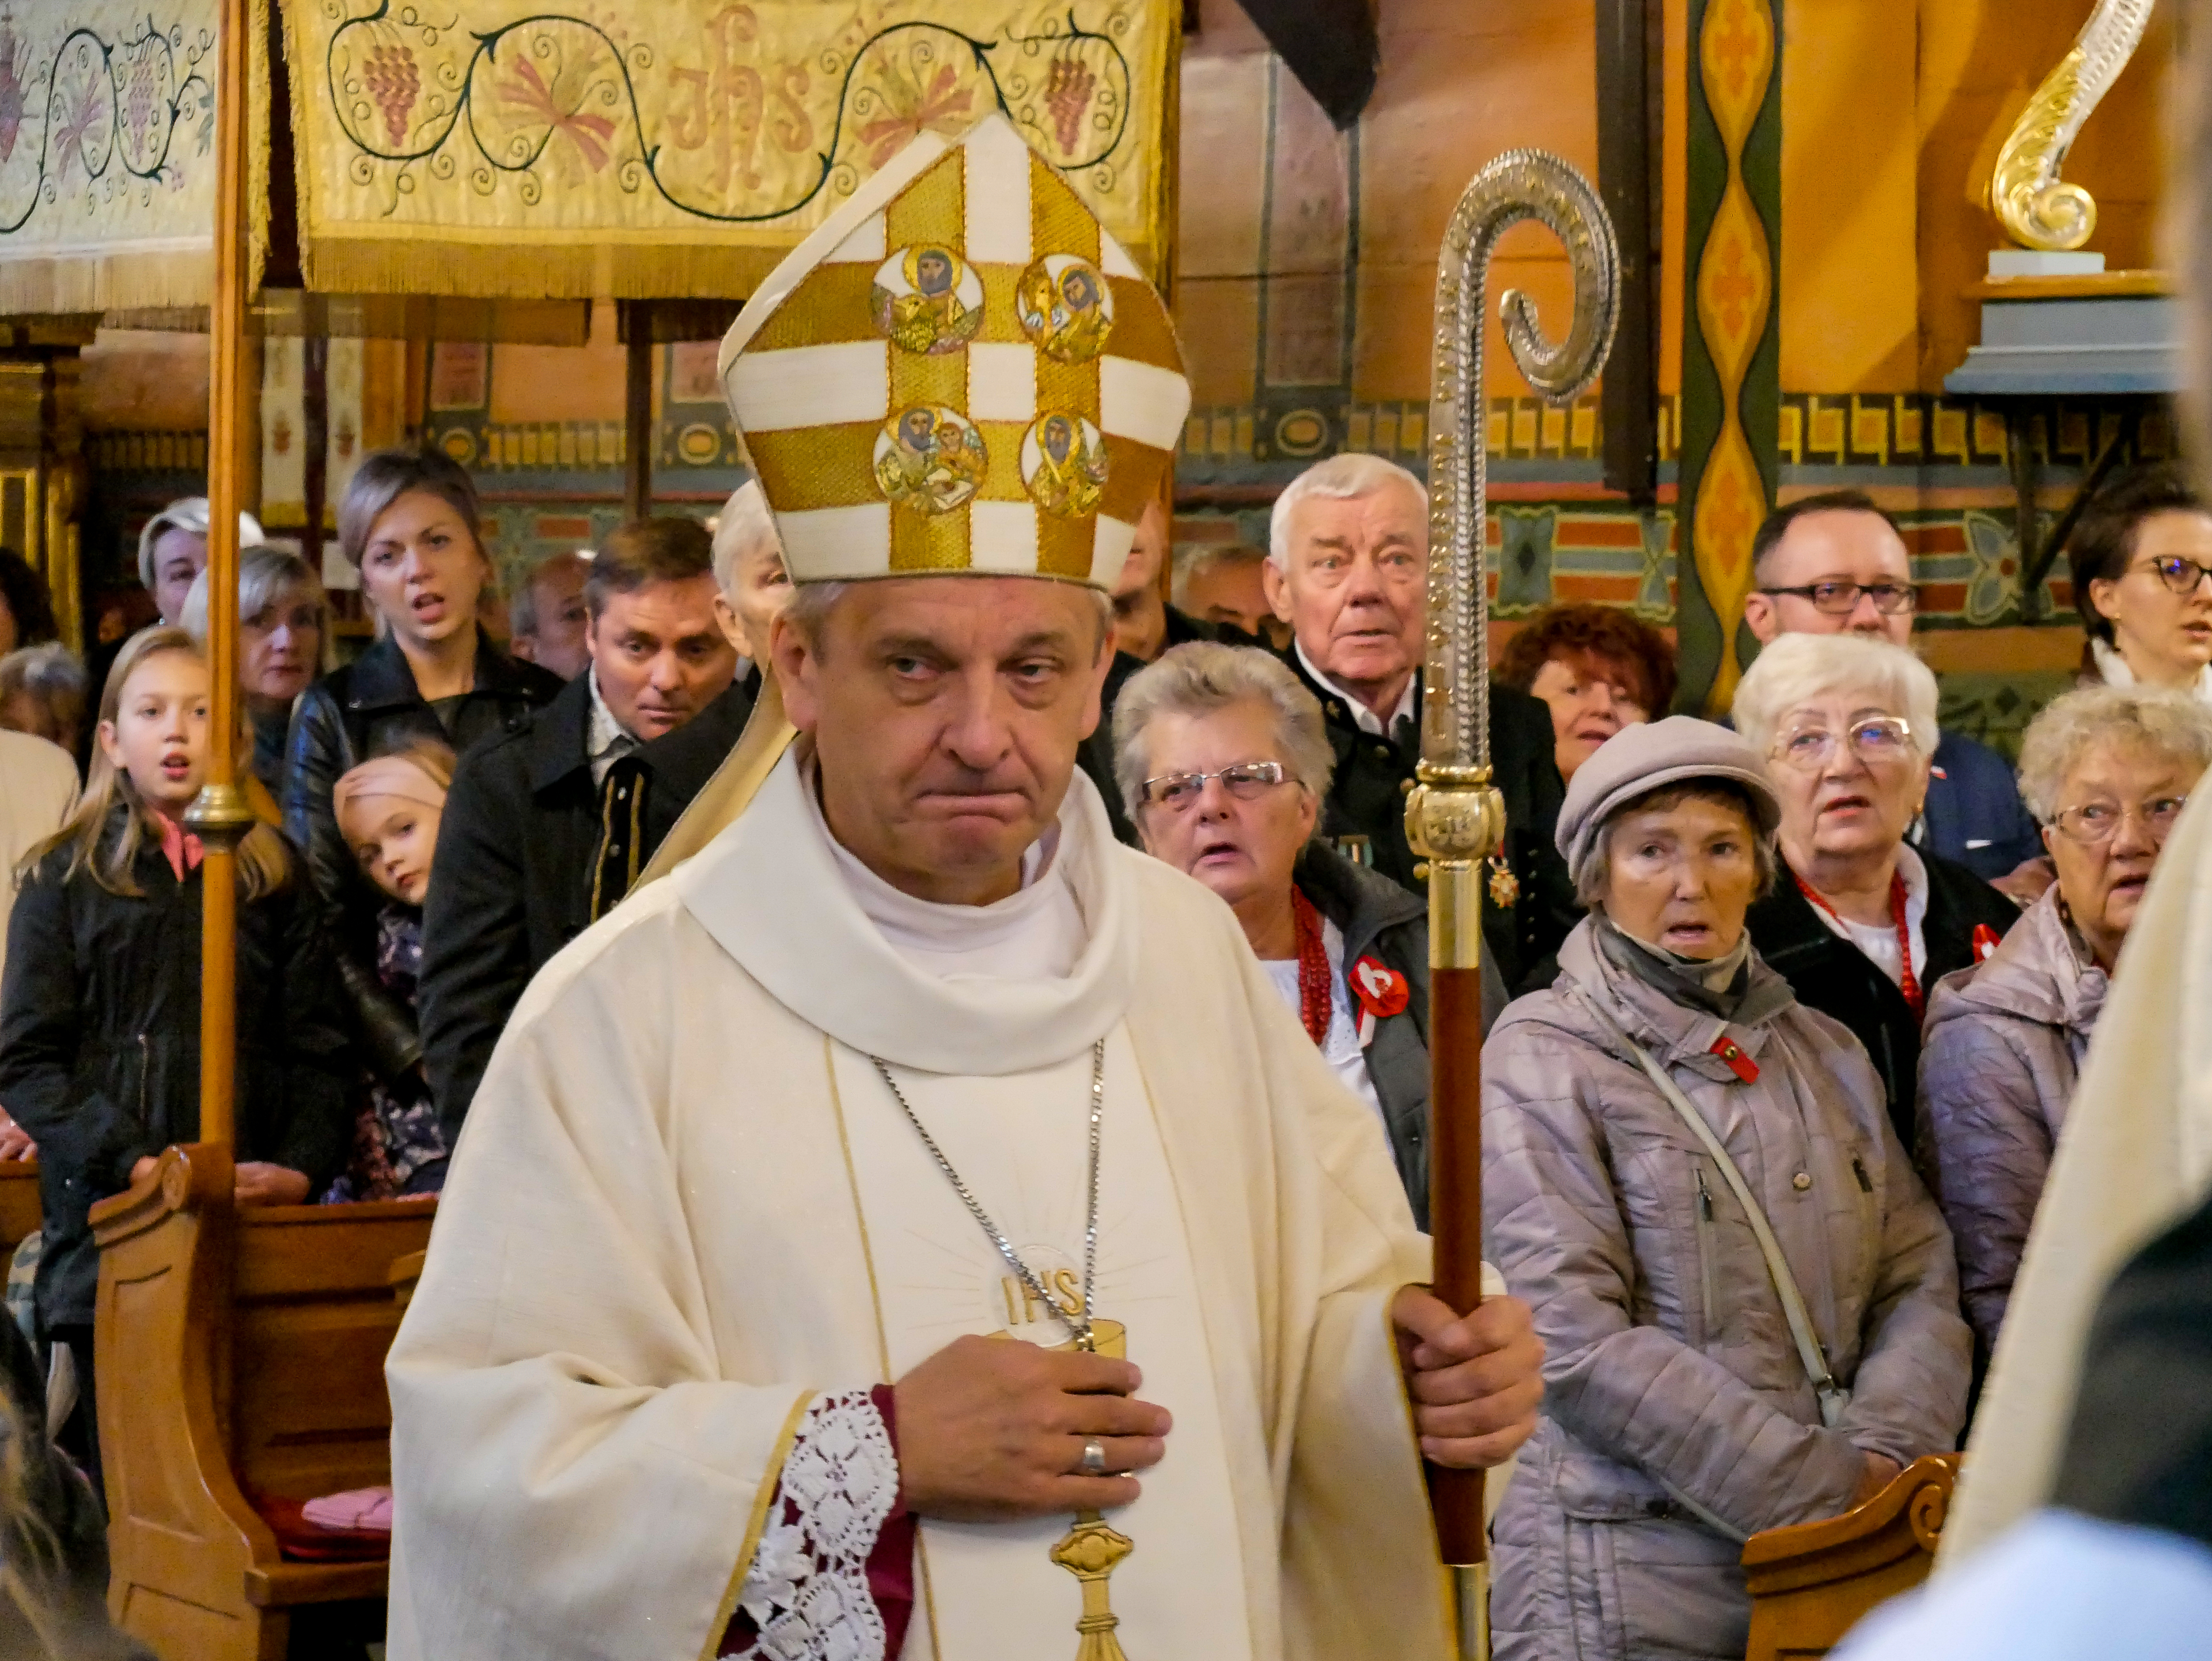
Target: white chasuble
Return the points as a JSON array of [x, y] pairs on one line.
[[1021, 1143], [685, 1208]]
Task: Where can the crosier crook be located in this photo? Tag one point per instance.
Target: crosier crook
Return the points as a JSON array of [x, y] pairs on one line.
[[1454, 819]]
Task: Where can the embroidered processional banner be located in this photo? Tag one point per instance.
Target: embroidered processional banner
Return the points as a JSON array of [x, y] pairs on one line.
[[107, 169], [666, 149]]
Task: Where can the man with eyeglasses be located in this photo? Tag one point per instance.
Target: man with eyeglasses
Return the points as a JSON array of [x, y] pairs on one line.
[[1835, 563]]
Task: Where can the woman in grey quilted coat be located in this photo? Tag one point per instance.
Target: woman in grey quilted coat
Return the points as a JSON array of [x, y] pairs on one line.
[[2105, 770], [1680, 1416]]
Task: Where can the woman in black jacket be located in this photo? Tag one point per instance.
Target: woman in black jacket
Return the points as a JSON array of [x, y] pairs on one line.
[[410, 524], [1861, 924], [99, 1012]]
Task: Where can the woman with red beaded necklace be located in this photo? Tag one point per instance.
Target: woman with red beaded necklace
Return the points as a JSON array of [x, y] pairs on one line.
[[1223, 761], [1862, 923]]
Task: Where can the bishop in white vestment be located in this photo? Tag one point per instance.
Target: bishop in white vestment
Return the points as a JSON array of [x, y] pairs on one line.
[[780, 1130]]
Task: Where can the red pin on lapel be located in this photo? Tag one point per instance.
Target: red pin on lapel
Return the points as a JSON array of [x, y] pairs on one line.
[[1738, 1063], [1382, 991], [1986, 940]]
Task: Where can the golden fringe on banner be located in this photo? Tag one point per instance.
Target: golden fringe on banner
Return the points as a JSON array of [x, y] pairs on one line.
[[124, 143], [516, 148]]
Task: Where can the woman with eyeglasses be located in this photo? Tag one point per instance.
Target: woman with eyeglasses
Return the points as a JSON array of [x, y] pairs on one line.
[[2140, 557], [1223, 763], [1861, 924], [2106, 770]]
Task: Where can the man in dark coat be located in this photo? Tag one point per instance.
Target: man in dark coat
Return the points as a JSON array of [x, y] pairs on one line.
[[547, 827], [1348, 571]]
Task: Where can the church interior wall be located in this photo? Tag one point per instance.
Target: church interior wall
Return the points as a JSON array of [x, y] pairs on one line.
[[1304, 272]]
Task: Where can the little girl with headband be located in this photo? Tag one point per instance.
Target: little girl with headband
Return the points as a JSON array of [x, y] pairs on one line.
[[388, 811]]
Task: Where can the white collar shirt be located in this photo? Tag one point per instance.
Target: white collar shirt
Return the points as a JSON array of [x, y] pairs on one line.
[[1368, 721]]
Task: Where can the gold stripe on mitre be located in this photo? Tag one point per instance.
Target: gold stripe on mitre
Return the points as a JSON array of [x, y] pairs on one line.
[[941, 380]]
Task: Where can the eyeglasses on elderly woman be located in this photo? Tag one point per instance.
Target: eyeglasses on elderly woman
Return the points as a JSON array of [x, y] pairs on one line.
[[1247, 781], [2092, 823], [1878, 740]]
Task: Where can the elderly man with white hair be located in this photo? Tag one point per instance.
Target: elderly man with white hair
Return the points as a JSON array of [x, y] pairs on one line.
[[749, 569], [1861, 924], [1347, 564], [549, 616]]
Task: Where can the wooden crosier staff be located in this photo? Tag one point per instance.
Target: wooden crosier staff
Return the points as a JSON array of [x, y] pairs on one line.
[[219, 815], [1454, 819]]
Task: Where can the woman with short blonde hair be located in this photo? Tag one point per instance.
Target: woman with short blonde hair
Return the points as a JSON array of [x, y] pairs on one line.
[[1862, 923], [2105, 770], [283, 643]]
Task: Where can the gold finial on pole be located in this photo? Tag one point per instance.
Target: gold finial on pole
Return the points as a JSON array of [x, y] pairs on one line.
[[1454, 819], [2038, 209], [219, 815]]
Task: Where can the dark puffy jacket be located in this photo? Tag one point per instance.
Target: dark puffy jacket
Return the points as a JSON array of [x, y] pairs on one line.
[[100, 1044], [369, 709], [1831, 975], [1367, 798], [2004, 1047], [523, 832], [1379, 919]]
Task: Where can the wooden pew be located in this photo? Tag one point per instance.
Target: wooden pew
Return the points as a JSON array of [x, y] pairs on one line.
[[241, 1353], [19, 1201], [1813, 1583]]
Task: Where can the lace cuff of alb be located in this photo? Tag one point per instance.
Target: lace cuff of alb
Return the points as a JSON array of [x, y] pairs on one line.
[[809, 1594]]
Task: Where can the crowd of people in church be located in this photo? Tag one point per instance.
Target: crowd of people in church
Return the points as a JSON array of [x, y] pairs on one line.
[[1829, 917]]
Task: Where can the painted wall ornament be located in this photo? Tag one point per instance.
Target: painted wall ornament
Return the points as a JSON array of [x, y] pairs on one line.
[[1728, 450], [665, 148], [2038, 209]]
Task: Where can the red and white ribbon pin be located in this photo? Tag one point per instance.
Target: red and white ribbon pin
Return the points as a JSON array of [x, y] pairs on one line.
[[1382, 991]]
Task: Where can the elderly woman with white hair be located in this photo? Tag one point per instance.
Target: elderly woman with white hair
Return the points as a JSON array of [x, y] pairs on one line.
[[283, 632], [749, 570], [1223, 763], [1747, 1300], [1861, 923], [2105, 770]]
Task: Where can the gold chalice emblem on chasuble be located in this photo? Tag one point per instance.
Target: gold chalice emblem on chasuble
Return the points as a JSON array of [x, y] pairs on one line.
[[960, 370]]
